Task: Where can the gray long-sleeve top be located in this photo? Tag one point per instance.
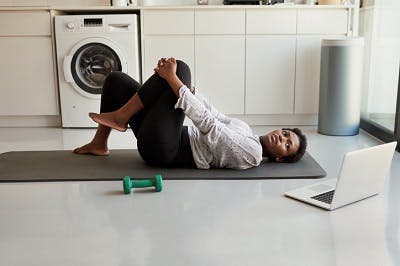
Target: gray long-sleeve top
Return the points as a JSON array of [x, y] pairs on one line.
[[216, 140]]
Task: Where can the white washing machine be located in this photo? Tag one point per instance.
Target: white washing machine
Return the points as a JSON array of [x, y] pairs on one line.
[[88, 48]]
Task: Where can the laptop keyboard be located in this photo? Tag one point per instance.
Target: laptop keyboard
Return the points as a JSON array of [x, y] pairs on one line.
[[325, 197]]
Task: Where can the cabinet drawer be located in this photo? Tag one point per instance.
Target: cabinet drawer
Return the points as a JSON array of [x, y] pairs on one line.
[[220, 22], [271, 22], [168, 22], [322, 22], [25, 23], [15, 3], [78, 2]]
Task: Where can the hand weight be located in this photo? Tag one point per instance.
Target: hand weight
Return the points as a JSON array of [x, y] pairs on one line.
[[129, 183]]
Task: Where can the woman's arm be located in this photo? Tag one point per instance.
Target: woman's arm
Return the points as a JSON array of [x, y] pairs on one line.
[[196, 109]]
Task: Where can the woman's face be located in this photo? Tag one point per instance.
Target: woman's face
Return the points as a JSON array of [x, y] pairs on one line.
[[281, 143]]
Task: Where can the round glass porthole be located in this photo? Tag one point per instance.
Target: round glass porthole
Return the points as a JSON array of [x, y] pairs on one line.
[[91, 64]]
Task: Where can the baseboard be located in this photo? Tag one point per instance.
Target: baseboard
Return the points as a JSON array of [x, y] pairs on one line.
[[252, 120], [279, 120], [30, 121], [275, 120]]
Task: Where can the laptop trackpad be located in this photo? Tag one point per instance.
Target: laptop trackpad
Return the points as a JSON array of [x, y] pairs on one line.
[[321, 188]]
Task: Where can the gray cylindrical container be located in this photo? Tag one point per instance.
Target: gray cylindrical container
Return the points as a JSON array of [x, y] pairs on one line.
[[340, 86]]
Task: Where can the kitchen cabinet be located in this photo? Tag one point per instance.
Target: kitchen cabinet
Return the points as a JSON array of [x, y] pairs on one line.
[[156, 47], [23, 2], [270, 72], [207, 42], [167, 34], [247, 60], [168, 22], [308, 58], [220, 22], [219, 71], [27, 75], [220, 58], [313, 26], [15, 3], [325, 21], [271, 21]]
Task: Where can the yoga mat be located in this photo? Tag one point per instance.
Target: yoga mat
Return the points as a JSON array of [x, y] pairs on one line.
[[28, 166]]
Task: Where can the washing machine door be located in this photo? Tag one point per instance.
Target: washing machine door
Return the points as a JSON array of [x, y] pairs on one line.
[[89, 62]]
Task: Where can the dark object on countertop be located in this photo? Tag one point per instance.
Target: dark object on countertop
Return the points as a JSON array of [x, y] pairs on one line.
[[242, 2]]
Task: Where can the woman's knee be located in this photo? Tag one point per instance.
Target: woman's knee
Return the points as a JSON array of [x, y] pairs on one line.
[[119, 81], [183, 72]]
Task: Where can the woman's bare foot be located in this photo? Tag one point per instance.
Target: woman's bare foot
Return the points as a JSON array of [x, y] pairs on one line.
[[92, 148], [109, 120]]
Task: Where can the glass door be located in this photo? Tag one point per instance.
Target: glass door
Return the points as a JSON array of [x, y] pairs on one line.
[[379, 22]]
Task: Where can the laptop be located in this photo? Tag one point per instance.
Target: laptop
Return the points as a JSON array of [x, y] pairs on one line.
[[362, 175]]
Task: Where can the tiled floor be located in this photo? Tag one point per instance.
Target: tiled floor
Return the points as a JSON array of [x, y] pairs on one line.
[[191, 222]]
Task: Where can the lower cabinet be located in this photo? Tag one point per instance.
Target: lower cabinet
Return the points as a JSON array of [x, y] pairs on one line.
[[268, 63], [220, 68], [308, 57], [27, 77], [156, 47], [270, 74]]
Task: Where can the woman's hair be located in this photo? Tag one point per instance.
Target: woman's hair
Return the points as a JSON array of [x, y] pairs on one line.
[[302, 146]]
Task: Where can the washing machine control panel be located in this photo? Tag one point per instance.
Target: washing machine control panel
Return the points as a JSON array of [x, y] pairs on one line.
[[71, 25], [93, 22], [82, 24]]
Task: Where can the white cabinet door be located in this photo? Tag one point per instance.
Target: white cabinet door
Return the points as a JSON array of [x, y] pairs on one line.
[[25, 23], [308, 59], [23, 3], [270, 72], [220, 22], [220, 68], [156, 47], [77, 2], [27, 76], [168, 22], [319, 21], [272, 21]]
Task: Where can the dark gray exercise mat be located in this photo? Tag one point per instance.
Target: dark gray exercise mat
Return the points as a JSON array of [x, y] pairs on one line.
[[66, 166]]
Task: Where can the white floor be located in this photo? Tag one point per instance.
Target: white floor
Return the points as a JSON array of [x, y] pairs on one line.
[[191, 222]]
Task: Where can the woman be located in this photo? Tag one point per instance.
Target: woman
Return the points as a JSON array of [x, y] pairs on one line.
[[156, 110]]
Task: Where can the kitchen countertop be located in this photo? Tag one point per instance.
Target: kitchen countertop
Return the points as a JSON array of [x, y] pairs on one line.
[[197, 7]]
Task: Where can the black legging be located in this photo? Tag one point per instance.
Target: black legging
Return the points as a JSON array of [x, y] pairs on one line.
[[162, 140]]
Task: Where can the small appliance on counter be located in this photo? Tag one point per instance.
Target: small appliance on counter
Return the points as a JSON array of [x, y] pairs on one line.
[[242, 2], [123, 2], [252, 2]]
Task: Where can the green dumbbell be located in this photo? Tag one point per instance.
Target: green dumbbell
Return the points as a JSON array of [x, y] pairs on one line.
[[128, 183]]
